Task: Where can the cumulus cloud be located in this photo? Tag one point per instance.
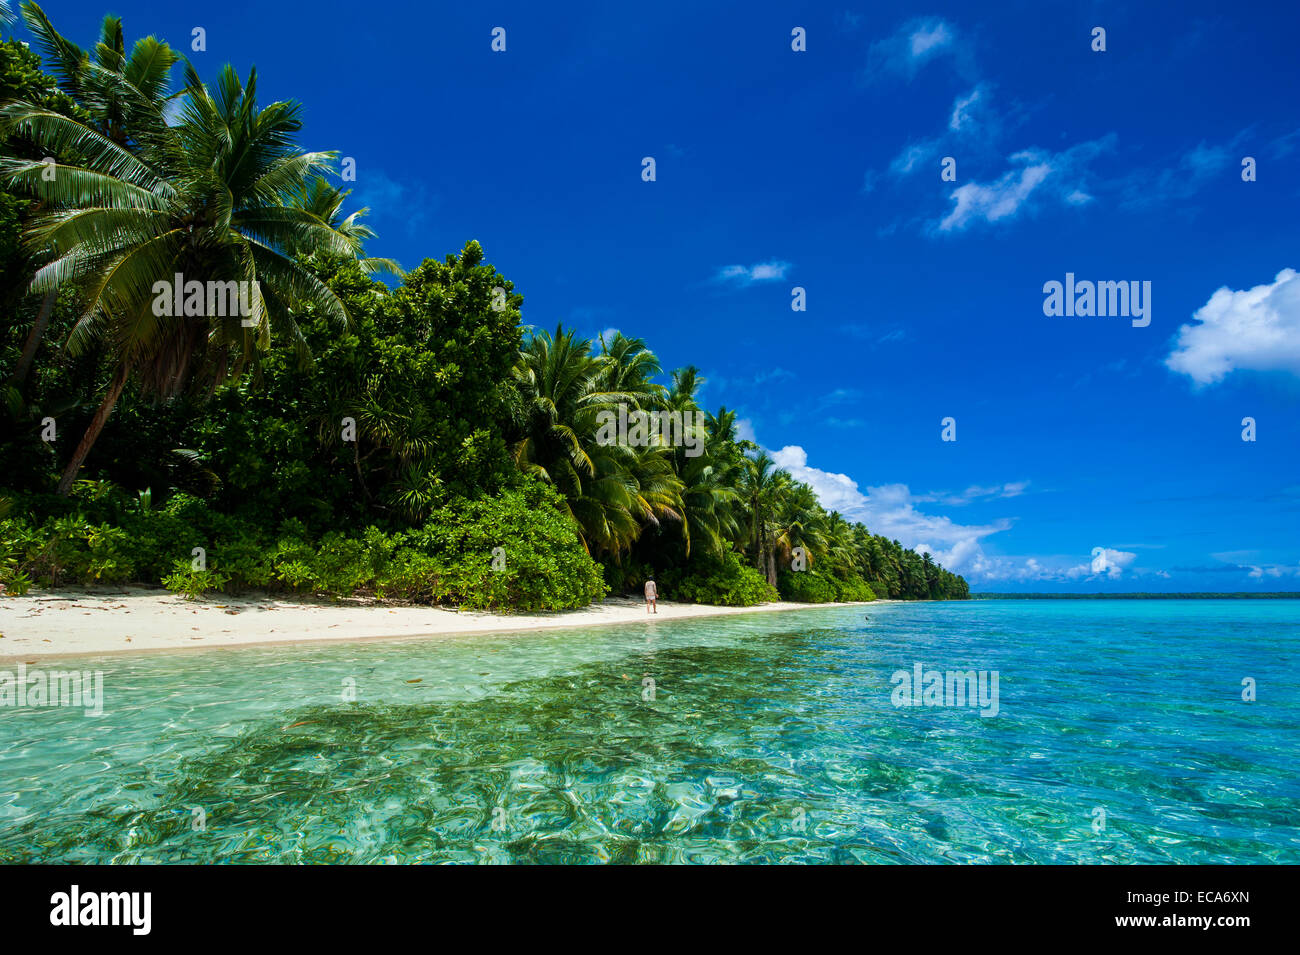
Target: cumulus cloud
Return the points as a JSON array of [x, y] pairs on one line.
[[1106, 562], [1258, 572], [890, 510], [745, 275], [1256, 329], [893, 511]]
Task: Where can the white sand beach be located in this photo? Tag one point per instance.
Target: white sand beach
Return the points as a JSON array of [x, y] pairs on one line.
[[118, 620]]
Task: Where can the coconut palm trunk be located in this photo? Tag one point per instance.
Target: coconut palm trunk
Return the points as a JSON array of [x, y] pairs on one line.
[[93, 429], [34, 339]]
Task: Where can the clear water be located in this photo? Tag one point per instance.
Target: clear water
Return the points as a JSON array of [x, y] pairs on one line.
[[771, 738]]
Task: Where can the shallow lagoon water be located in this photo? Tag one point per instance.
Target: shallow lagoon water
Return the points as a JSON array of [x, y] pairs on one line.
[[1121, 737]]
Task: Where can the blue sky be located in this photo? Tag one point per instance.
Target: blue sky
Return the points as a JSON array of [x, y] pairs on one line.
[[1091, 455]]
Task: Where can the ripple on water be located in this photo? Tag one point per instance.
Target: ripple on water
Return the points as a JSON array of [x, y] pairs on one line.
[[769, 739]]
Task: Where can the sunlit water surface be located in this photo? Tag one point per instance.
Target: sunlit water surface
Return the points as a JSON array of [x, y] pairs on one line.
[[1121, 736]]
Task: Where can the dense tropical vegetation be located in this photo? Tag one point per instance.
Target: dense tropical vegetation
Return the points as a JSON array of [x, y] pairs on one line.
[[340, 435]]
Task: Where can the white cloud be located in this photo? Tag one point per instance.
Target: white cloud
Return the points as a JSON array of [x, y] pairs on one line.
[[975, 492], [963, 110], [1105, 562], [1256, 329], [1183, 178], [912, 156], [880, 335], [914, 44], [1035, 174], [890, 510], [930, 38], [741, 275], [996, 200], [968, 112], [387, 198]]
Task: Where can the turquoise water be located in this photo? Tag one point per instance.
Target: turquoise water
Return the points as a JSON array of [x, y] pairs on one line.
[[769, 738]]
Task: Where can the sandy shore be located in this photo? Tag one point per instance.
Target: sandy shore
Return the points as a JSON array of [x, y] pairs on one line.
[[87, 622]]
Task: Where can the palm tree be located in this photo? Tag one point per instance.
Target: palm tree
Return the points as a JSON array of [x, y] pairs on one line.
[[611, 490], [708, 497], [798, 522], [317, 196], [146, 69], [686, 382], [722, 426], [111, 84], [627, 368], [841, 549], [762, 485], [137, 200], [930, 573]]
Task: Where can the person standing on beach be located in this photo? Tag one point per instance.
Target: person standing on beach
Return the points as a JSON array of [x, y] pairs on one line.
[[651, 595]]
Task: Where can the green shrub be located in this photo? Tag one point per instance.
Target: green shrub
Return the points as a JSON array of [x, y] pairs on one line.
[[807, 586], [811, 586], [721, 581], [541, 564], [191, 583], [855, 588]]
